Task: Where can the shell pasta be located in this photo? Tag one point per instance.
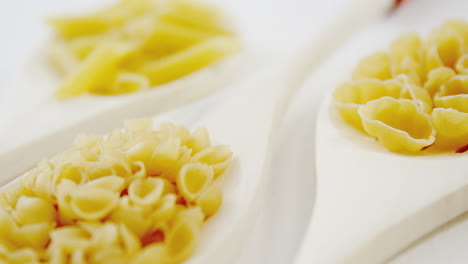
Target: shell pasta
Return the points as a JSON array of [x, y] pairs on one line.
[[136, 195], [414, 96]]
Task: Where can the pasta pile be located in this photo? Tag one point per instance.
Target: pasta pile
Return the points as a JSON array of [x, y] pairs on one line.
[[137, 44], [134, 196], [416, 95]]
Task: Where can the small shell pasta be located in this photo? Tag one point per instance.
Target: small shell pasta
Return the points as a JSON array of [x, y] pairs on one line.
[[451, 126], [432, 77], [377, 65], [400, 125], [349, 96]]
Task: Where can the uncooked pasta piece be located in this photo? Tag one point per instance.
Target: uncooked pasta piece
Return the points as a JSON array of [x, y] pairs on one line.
[[452, 128], [400, 125], [462, 64], [218, 157], [193, 179], [210, 199], [113, 199], [349, 96], [407, 45], [445, 46], [377, 65], [164, 40], [453, 94], [436, 78]]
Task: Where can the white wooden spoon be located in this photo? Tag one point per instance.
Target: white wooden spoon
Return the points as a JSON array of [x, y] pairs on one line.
[[33, 112], [247, 122]]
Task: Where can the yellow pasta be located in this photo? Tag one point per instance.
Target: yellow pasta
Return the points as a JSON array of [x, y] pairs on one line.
[[436, 78], [94, 72], [400, 125], [193, 179], [133, 45], [112, 199], [349, 96], [188, 60], [452, 128], [377, 65], [432, 80], [453, 94]]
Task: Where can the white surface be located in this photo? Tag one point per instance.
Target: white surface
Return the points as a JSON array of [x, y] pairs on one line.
[[360, 210], [278, 230], [278, 27]]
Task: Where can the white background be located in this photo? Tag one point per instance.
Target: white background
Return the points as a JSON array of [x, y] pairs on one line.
[[277, 28]]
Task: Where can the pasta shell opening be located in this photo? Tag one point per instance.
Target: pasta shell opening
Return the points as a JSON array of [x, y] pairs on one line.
[[218, 157], [146, 191], [193, 178], [181, 241], [93, 203], [452, 128], [399, 124]]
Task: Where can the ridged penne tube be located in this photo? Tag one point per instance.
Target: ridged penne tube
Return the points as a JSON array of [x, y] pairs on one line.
[[218, 157], [210, 199], [377, 65], [400, 125], [409, 44], [94, 71], [32, 210], [453, 94], [193, 179], [182, 240], [146, 192], [462, 64], [452, 128], [445, 46], [349, 96], [436, 78], [90, 203], [188, 60]]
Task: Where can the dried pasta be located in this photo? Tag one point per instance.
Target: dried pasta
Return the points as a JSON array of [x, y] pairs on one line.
[[134, 45], [415, 95], [136, 195]]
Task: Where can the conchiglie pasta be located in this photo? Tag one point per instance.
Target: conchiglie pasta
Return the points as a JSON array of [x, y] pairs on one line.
[[349, 96], [452, 128], [453, 94], [432, 77], [399, 125], [377, 65]]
